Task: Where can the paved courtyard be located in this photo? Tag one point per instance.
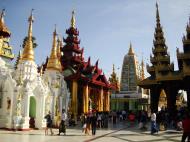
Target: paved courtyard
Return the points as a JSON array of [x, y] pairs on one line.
[[115, 133]]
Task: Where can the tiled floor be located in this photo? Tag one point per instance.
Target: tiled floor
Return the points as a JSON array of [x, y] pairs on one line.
[[118, 133]]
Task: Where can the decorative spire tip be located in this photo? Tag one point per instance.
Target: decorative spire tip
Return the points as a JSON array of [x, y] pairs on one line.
[[2, 15], [31, 18], [157, 5], [73, 19]]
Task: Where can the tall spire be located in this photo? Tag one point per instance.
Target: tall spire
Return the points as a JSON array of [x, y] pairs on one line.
[[73, 19], [131, 52], [3, 29], [113, 68], [28, 53], [157, 14], [54, 62]]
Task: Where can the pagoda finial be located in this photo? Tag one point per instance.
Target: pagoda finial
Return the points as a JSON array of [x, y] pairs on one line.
[[113, 68], [28, 53], [131, 52], [53, 61], [73, 19], [157, 14], [2, 15]]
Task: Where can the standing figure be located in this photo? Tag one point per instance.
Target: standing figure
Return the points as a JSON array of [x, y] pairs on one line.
[[153, 124], [48, 123], [186, 127], [62, 126], [88, 123], [93, 123]]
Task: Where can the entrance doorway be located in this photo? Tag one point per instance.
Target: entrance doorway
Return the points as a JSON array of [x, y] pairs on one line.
[[32, 112]]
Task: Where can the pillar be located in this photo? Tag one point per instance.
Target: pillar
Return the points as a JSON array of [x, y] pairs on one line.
[[171, 94], [101, 99], [27, 105], [74, 99], [108, 101], [85, 99], [154, 97]]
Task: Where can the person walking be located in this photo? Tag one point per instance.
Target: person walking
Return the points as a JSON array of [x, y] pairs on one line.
[[153, 124], [88, 123], [48, 123], [186, 127], [94, 123], [62, 126]]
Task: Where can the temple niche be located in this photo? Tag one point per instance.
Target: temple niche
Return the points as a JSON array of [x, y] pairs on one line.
[[26, 94]]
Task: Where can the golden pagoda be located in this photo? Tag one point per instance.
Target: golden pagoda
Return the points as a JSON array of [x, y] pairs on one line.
[[54, 62], [5, 48], [28, 53]]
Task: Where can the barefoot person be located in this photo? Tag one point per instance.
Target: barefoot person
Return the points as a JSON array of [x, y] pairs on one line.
[[48, 123]]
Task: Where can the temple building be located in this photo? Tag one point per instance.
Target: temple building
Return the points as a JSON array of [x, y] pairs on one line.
[[26, 96], [162, 73], [90, 90], [130, 96]]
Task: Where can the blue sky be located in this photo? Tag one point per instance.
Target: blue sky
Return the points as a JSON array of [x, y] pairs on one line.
[[106, 26]]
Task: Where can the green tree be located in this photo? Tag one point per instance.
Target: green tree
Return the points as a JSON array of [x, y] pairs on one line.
[[33, 41]]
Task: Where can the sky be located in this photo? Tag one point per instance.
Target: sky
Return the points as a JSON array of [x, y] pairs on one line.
[[106, 27]]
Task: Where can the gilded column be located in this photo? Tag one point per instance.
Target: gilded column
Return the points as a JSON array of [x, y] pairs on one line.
[[74, 99], [101, 99], [85, 99], [105, 101], [108, 101]]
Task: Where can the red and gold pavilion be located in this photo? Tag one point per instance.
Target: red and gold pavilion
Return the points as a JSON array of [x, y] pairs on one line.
[[89, 87]]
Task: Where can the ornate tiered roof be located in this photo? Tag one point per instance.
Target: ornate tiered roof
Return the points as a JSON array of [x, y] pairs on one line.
[[73, 62], [160, 59], [184, 57]]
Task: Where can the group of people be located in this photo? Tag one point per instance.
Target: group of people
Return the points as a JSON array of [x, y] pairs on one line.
[[159, 121], [62, 125], [89, 121], [181, 122]]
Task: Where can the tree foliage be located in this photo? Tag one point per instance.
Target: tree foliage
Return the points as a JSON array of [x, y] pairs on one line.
[[33, 41]]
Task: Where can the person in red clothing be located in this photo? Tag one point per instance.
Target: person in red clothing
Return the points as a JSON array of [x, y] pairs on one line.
[[186, 127], [132, 118]]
